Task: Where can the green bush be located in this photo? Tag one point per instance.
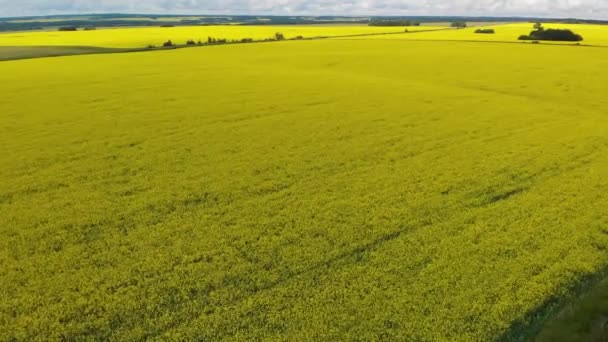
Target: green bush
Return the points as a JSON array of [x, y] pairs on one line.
[[553, 35]]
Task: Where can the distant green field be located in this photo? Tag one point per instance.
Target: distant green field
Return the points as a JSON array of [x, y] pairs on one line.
[[24, 52], [304, 190]]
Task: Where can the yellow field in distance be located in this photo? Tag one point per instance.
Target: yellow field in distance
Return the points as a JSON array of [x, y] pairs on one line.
[[592, 34], [142, 37]]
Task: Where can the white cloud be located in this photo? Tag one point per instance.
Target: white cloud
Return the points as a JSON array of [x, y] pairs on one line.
[[597, 9]]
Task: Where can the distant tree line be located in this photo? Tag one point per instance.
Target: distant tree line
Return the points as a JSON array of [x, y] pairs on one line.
[[396, 22], [459, 24], [74, 28], [138, 20], [216, 41], [540, 33]]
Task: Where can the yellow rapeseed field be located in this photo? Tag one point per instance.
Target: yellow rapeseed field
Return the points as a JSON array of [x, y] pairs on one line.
[[592, 34], [303, 190], [142, 37]]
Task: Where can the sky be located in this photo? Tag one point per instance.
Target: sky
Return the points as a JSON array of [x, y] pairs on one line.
[[587, 9]]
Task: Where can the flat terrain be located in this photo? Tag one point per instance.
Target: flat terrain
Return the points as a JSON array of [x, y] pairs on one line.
[[592, 34], [303, 190], [19, 45], [142, 37]]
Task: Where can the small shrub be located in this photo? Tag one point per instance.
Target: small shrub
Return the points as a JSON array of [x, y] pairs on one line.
[[68, 28], [247, 40], [168, 43], [191, 42], [219, 41], [279, 36], [459, 24], [485, 31], [212, 40]]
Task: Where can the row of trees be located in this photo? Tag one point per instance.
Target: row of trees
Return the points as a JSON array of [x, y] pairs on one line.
[[399, 22], [215, 41]]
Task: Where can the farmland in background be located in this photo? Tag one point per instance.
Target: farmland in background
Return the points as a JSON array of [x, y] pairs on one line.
[[142, 37], [15, 45], [592, 34]]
